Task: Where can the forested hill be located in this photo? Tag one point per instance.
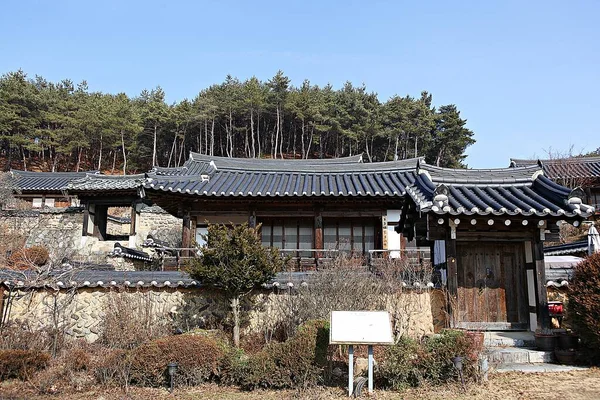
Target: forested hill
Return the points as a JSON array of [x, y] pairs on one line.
[[59, 126]]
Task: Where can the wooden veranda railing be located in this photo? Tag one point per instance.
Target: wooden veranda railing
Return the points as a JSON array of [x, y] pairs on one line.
[[300, 260]]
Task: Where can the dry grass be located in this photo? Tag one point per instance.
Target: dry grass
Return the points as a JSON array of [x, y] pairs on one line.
[[565, 386]]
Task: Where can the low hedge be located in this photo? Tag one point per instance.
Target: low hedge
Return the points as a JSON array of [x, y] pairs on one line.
[[411, 363], [22, 364], [297, 362], [198, 357]]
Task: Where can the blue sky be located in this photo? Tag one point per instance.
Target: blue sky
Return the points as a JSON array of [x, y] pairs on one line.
[[525, 74]]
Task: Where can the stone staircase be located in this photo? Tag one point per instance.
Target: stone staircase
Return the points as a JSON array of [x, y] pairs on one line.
[[515, 351], [514, 348]]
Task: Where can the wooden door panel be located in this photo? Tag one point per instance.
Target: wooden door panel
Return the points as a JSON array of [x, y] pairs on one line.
[[490, 282]]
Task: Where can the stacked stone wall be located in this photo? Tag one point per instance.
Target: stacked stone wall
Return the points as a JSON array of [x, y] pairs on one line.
[[81, 312], [59, 231], [159, 223]]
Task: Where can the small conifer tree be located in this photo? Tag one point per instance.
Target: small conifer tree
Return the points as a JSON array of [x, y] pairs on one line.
[[234, 261]]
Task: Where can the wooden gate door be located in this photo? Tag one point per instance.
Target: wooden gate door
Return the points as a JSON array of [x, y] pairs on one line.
[[491, 292]]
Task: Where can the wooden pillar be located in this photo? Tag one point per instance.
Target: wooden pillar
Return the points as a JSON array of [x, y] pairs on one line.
[[132, 226], [452, 279], [252, 219], [540, 283], [186, 240], [451, 265], [86, 219], [319, 244], [100, 221]]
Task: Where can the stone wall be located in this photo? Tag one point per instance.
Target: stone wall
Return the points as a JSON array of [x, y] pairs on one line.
[[81, 312], [161, 224], [58, 230]]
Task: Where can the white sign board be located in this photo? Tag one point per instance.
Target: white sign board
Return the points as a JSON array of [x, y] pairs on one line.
[[360, 327]]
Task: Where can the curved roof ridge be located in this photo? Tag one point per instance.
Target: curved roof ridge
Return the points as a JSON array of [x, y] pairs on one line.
[[318, 166], [49, 173], [116, 177], [339, 160], [483, 176], [574, 159]]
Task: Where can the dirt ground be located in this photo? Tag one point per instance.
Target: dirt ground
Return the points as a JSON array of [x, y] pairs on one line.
[[562, 385]]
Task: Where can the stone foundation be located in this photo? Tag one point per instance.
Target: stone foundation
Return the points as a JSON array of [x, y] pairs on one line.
[[81, 313]]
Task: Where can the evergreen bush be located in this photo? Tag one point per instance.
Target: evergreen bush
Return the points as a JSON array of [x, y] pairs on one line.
[[583, 305], [198, 358], [298, 362], [411, 363]]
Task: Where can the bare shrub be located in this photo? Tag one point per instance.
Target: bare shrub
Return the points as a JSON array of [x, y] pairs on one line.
[[132, 318], [21, 364], [22, 336], [112, 367], [27, 257], [347, 284]]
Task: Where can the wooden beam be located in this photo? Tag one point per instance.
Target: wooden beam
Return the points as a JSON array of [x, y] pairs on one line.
[[540, 283]]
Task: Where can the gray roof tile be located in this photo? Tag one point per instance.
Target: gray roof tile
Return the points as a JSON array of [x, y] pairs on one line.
[[28, 181]]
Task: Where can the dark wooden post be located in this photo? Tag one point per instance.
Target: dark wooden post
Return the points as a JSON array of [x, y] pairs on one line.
[[132, 226], [540, 283], [186, 240], [452, 283], [252, 219], [318, 236], [86, 219]]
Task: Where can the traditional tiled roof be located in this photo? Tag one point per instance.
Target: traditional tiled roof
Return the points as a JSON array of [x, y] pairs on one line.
[[98, 279], [97, 182], [92, 278], [580, 247], [27, 181], [560, 269], [231, 177], [505, 191], [199, 164], [565, 168], [126, 252]]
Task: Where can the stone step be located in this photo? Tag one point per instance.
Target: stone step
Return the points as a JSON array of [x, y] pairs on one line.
[[518, 355], [538, 367], [508, 339]]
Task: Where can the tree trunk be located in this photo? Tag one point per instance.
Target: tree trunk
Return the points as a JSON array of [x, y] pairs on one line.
[[252, 132], [100, 155], [212, 138], [25, 159], [154, 147], [258, 133], [439, 156], [276, 135], [172, 150], [78, 160], [235, 308], [124, 153]]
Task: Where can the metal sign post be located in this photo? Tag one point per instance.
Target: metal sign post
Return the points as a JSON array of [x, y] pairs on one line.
[[360, 327]]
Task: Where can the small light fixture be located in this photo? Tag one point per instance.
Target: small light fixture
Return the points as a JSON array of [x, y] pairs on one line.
[[458, 362], [172, 369], [458, 365]]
